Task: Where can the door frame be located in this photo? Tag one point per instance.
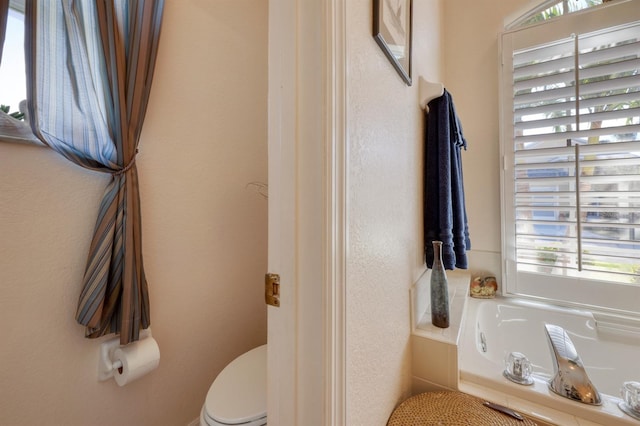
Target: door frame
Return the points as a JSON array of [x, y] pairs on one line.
[[336, 218], [307, 247]]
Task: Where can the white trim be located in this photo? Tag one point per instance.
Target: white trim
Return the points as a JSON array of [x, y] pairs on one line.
[[281, 330], [335, 195], [515, 20], [307, 212]]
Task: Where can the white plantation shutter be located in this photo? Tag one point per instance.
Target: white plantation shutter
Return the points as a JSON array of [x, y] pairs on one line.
[[571, 145]]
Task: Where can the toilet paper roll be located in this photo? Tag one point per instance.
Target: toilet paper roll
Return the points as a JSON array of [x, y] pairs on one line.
[[137, 358]]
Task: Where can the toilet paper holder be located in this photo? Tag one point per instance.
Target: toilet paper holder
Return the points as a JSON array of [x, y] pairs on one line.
[[106, 367]]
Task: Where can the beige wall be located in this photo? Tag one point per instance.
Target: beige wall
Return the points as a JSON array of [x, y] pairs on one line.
[[455, 42], [204, 235], [385, 138], [470, 32]]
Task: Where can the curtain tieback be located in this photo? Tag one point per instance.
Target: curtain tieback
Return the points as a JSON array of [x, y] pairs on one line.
[[127, 167]]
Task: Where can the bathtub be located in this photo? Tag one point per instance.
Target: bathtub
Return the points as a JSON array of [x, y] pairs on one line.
[[492, 328]]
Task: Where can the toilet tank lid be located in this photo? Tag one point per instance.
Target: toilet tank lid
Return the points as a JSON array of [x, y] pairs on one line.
[[239, 393]]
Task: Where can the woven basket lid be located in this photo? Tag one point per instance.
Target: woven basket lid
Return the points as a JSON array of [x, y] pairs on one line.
[[450, 408]]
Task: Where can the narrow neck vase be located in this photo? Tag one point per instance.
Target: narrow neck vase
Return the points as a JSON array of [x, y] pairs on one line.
[[439, 289]]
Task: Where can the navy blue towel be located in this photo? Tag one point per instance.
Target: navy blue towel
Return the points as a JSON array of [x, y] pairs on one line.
[[445, 216]]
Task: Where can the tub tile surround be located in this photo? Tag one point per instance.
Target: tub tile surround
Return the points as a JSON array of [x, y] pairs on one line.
[[436, 354], [434, 349], [458, 291]]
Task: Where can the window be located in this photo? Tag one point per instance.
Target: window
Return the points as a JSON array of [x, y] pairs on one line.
[[13, 88], [550, 9], [571, 146]]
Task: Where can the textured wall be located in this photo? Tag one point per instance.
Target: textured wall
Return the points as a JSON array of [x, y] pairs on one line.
[[385, 131], [204, 235], [471, 63]]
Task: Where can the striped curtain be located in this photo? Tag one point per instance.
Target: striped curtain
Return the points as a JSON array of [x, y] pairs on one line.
[[89, 71]]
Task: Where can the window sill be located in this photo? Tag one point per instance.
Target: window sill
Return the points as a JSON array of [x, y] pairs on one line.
[[16, 131]]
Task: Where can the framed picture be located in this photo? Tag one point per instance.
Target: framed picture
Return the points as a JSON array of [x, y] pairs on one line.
[[392, 31]]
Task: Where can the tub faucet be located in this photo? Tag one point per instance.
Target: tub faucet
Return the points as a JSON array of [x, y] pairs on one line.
[[570, 378]]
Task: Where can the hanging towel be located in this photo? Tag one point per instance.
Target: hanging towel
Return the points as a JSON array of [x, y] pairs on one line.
[[445, 216]]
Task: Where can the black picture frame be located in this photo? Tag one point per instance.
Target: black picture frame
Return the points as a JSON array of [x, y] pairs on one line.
[[392, 30]]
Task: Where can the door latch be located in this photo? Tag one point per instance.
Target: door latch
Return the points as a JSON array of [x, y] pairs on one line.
[[272, 289]]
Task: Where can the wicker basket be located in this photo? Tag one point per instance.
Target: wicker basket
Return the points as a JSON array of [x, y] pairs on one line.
[[450, 408]]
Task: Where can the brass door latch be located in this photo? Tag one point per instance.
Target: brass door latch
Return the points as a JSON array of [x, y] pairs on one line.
[[272, 289]]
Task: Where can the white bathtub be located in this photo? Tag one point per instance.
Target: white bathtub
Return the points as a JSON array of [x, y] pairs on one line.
[[609, 348]]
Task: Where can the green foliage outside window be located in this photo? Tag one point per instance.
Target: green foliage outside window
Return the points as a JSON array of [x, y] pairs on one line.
[[16, 114]]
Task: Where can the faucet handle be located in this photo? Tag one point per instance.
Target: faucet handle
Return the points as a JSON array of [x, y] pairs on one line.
[[630, 403], [517, 368], [631, 395]]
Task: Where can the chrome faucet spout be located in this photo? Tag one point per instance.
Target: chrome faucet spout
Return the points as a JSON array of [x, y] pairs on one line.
[[570, 377]]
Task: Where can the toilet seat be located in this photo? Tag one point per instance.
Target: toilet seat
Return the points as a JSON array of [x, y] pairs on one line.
[[206, 420], [239, 394]]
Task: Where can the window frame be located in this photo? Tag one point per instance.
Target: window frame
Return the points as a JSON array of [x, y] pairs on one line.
[[531, 13], [571, 292], [13, 130]]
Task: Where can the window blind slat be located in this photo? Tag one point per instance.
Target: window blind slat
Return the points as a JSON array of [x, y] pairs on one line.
[[588, 208], [545, 222], [610, 179], [609, 36], [579, 134], [545, 125], [631, 147], [621, 162], [627, 114], [609, 69], [531, 198], [538, 206], [539, 53], [551, 95], [610, 246], [547, 181], [628, 50], [546, 154], [584, 103], [597, 88], [546, 166], [544, 66], [535, 81]]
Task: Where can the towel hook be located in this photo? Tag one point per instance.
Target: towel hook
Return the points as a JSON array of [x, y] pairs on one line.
[[428, 91]]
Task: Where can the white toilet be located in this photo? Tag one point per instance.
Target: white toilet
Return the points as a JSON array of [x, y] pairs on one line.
[[238, 396]]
